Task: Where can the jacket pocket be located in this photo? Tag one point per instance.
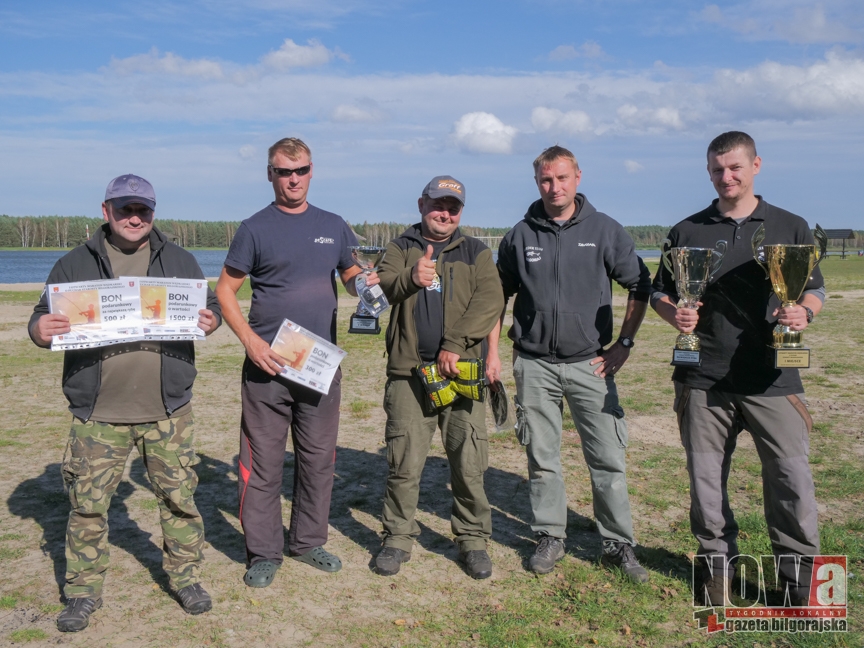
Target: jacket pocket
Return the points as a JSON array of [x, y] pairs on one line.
[[536, 334], [572, 338]]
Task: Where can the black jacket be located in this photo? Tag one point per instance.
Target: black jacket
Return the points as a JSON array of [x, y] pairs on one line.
[[562, 279], [82, 368]]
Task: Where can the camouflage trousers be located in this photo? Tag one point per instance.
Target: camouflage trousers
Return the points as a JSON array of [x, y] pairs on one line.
[[93, 468]]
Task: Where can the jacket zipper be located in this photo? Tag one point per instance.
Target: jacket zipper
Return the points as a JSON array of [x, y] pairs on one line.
[[450, 287], [554, 349]]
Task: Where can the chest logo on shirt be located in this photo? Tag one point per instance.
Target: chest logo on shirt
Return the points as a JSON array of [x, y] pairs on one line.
[[324, 239], [587, 245], [533, 254], [436, 284]]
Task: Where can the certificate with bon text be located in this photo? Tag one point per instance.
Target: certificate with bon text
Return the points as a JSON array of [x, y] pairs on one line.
[[309, 359], [100, 313]]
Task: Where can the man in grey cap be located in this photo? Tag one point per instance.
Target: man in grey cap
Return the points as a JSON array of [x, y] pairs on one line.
[[446, 297], [124, 395]]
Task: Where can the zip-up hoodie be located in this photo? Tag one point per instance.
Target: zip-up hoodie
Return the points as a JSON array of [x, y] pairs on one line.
[[562, 278], [470, 289], [82, 368]]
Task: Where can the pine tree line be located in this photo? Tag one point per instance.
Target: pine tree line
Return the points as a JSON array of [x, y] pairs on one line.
[[70, 231]]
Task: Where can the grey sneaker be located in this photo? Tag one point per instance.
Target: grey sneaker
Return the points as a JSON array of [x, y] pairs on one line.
[[622, 557], [194, 599], [389, 560], [477, 563], [549, 551], [76, 616]]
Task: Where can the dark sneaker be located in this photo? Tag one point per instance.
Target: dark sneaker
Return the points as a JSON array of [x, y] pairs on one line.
[[76, 616], [261, 574], [477, 563], [389, 560], [623, 558], [194, 599], [549, 551], [714, 590]]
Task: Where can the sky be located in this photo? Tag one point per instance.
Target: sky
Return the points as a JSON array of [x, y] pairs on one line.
[[389, 93]]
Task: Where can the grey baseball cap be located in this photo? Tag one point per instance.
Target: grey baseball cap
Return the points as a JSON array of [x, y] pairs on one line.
[[127, 189], [441, 186]]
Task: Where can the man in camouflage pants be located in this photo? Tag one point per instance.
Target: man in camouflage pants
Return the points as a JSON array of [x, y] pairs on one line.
[[125, 395]]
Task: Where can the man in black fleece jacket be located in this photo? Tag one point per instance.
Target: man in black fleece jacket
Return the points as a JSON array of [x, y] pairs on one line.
[[559, 262], [137, 393]]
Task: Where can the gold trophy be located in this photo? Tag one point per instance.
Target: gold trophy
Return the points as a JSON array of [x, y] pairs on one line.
[[789, 268], [692, 269], [372, 299]]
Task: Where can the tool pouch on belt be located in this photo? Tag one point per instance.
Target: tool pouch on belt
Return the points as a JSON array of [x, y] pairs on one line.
[[436, 386]]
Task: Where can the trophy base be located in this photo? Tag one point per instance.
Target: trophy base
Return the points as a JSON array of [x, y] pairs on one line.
[[364, 324], [686, 358], [789, 358]]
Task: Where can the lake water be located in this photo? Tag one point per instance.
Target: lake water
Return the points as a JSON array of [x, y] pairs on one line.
[[34, 266]]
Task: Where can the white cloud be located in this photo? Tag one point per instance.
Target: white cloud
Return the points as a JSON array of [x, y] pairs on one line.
[[362, 111], [247, 152], [573, 122], [168, 65], [633, 166], [834, 86], [588, 49], [663, 118], [794, 21], [481, 132], [291, 55]]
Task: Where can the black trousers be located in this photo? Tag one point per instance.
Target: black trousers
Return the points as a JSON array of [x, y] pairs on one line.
[[271, 407]]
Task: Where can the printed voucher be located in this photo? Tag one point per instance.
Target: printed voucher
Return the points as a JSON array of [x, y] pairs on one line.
[[309, 359], [113, 311]]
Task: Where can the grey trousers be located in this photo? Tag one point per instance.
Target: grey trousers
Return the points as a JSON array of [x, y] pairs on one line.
[[409, 432], [780, 425], [541, 388], [271, 408]]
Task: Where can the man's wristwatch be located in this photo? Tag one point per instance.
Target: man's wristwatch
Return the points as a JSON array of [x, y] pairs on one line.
[[809, 314], [626, 342]]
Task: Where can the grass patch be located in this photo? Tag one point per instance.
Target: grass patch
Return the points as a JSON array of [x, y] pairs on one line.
[[361, 408], [7, 602], [30, 634], [10, 554], [20, 296]]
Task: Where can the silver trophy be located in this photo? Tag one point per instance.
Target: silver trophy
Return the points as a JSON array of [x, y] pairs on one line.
[[372, 299], [692, 269]]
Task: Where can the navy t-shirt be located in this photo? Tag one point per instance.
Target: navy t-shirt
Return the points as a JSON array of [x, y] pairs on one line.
[[290, 260]]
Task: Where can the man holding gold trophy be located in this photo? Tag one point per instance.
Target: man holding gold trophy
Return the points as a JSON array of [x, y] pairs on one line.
[[446, 298], [736, 382]]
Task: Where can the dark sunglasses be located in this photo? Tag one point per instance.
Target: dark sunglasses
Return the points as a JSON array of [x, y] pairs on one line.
[[286, 173], [128, 210]]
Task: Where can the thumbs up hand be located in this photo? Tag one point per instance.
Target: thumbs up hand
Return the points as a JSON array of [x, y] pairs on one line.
[[423, 272]]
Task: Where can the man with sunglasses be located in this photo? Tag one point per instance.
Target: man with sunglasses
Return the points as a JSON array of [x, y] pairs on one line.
[[289, 250], [129, 394]]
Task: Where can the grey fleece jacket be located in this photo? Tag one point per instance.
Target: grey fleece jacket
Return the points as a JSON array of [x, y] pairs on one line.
[[562, 278], [82, 368]]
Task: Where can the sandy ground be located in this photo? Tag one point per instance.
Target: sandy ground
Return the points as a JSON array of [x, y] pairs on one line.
[[303, 606]]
